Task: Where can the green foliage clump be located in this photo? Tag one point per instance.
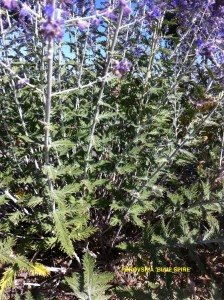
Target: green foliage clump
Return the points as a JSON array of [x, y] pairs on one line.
[[91, 284]]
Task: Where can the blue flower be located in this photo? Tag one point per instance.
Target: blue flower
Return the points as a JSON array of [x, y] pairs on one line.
[[24, 14], [49, 10], [155, 13], [199, 43], [82, 25], [123, 2], [109, 14], [21, 82], [138, 52], [95, 22], [9, 4], [52, 29], [5, 22], [127, 10], [122, 67]]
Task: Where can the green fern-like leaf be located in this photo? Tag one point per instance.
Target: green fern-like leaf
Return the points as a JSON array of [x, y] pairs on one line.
[[90, 284], [29, 296], [17, 297], [7, 280], [74, 283], [19, 263], [62, 233], [88, 266]]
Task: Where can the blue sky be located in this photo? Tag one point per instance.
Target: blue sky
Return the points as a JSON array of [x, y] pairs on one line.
[[66, 38]]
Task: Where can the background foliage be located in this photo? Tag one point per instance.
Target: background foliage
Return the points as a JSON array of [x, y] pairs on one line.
[[111, 141]]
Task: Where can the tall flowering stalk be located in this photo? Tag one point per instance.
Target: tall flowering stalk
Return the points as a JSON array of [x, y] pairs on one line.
[[50, 30], [97, 110], [49, 33]]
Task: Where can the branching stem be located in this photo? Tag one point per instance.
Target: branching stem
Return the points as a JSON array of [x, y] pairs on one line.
[[97, 110]]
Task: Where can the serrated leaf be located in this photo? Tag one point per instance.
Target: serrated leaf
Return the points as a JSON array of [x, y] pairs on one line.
[[28, 296], [74, 283], [126, 169], [70, 188], [158, 240], [161, 160], [114, 221], [107, 115], [7, 280], [90, 285], [87, 183], [88, 266], [64, 145], [62, 233], [34, 201], [39, 269], [25, 138], [50, 171]]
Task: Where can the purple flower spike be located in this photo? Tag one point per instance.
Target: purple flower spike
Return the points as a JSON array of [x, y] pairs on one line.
[[113, 17], [82, 25], [52, 30], [123, 2], [21, 82], [109, 14], [67, 2], [138, 52], [5, 22], [95, 22], [208, 50], [24, 14], [9, 4], [127, 10], [61, 14], [122, 67], [49, 10], [199, 43], [155, 13]]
